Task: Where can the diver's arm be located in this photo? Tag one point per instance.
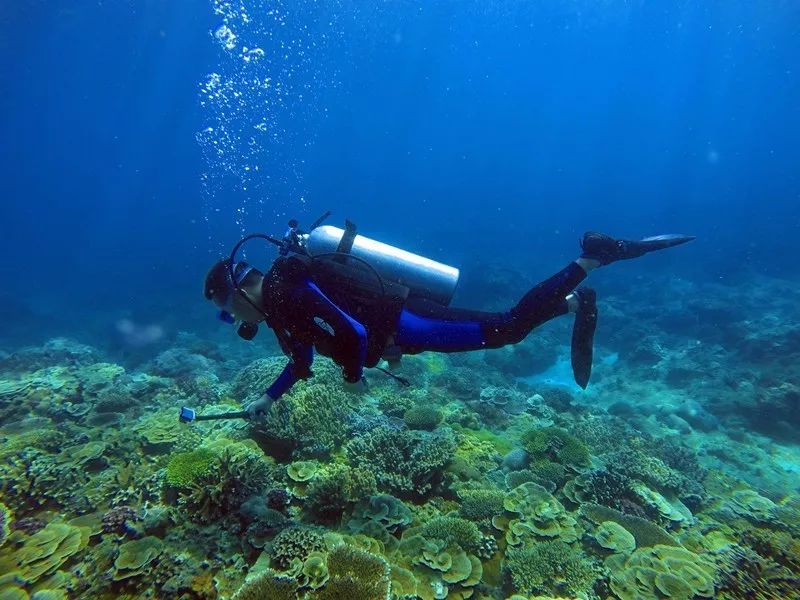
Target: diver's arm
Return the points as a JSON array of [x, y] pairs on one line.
[[350, 336], [299, 367]]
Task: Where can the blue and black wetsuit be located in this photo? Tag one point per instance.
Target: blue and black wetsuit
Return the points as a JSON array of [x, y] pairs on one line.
[[305, 318]]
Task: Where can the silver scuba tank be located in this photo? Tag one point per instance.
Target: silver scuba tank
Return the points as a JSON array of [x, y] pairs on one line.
[[424, 277]]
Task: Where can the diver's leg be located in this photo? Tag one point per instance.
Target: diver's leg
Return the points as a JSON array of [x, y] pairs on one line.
[[549, 299], [429, 326]]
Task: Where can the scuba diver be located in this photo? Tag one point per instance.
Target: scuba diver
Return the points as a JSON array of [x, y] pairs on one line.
[[357, 301]]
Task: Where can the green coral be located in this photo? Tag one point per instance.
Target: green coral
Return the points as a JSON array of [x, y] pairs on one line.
[[644, 532], [662, 572], [355, 573], [613, 536], [314, 416], [5, 521], [481, 505], [267, 585], [314, 572], [406, 463], [46, 550], [380, 518], [556, 445], [296, 543], [302, 470], [549, 472], [552, 567], [338, 486], [453, 530], [135, 557], [185, 468], [423, 417], [538, 512], [637, 464], [240, 471]]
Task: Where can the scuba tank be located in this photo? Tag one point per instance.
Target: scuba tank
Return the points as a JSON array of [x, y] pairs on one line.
[[424, 278]]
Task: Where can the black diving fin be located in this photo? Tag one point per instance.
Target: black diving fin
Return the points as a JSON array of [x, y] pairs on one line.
[[606, 249], [583, 336], [668, 240]]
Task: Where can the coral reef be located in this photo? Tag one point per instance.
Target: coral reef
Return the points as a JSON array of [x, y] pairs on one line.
[[653, 483]]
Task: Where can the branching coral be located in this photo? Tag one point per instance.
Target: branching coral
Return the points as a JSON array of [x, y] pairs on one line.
[[239, 472], [355, 573], [423, 417], [636, 464], [404, 462], [453, 530], [550, 567], [186, 467], [604, 486], [481, 505], [338, 486], [314, 415], [268, 586], [742, 573]]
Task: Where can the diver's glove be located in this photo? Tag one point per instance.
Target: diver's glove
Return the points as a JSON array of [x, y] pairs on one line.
[[605, 249], [356, 387], [258, 410]]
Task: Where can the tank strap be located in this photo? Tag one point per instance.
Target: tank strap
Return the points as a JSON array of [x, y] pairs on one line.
[[348, 237]]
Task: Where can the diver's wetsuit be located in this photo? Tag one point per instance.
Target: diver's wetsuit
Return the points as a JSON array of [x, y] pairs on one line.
[[304, 318]]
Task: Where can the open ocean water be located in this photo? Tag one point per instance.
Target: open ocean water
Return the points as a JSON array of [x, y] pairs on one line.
[[141, 140]]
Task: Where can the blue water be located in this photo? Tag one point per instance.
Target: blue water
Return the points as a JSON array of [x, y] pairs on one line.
[[469, 131]]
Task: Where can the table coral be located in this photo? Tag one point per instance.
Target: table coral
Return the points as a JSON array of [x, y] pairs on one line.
[[135, 556], [47, 550], [541, 512], [613, 536], [645, 532], [662, 572]]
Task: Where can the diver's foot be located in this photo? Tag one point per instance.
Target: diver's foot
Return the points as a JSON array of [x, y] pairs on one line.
[[605, 249], [583, 335]]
